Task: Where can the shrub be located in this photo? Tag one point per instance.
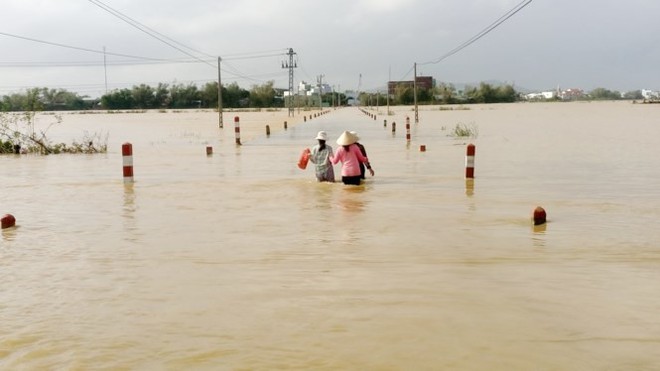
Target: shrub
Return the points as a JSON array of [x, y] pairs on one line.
[[18, 130], [465, 131]]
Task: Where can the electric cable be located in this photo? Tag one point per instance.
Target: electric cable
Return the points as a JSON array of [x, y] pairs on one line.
[[482, 33]]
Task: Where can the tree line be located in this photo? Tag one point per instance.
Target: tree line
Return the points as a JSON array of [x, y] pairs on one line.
[[444, 93], [182, 96], [162, 96]]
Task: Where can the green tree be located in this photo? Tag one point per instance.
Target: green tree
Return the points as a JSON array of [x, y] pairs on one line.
[[262, 95], [506, 94], [33, 101], [144, 97], [14, 102], [636, 94], [403, 94], [209, 95], [604, 94], [424, 96], [487, 94], [162, 97], [233, 96], [118, 99], [184, 96], [447, 93], [60, 99]]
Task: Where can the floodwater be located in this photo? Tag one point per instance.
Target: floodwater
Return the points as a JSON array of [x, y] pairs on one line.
[[240, 260]]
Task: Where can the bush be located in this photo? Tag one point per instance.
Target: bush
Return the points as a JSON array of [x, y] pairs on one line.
[[18, 130], [465, 131]]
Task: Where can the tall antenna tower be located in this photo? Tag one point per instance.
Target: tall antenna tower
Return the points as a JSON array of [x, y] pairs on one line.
[[290, 64]]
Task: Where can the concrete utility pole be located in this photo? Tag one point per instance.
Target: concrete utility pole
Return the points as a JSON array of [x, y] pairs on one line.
[[389, 78], [358, 90], [320, 81], [415, 94], [290, 64], [219, 95], [333, 97]]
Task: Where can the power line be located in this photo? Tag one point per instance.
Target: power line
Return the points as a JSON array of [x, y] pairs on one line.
[[145, 60], [256, 54], [91, 63], [235, 72], [159, 36], [407, 73], [235, 58], [156, 35], [80, 48], [141, 26], [482, 33]]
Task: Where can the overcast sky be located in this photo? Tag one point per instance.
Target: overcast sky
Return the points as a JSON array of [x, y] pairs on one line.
[[585, 44]]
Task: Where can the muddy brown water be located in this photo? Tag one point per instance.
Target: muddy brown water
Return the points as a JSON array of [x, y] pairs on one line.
[[240, 260]]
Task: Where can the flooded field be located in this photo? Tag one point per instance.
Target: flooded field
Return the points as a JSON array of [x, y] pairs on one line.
[[240, 260]]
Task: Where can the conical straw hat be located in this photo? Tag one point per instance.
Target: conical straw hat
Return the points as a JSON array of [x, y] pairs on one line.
[[347, 138]]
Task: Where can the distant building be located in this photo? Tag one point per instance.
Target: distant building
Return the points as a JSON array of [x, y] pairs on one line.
[[571, 94], [352, 98], [311, 89], [650, 94], [423, 82], [544, 95], [304, 87], [567, 94]]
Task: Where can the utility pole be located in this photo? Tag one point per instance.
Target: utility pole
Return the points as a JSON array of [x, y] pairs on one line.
[[377, 96], [320, 81], [290, 64], [219, 96], [389, 79], [358, 90], [333, 97], [415, 94]]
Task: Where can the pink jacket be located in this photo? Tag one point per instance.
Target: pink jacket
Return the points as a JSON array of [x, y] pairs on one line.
[[350, 160]]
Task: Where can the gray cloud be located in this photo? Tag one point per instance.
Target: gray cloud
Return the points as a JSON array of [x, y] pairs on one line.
[[586, 44]]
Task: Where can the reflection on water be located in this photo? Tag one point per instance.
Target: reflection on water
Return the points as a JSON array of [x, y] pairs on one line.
[[469, 187], [129, 201], [9, 234], [240, 260], [539, 234], [351, 199]]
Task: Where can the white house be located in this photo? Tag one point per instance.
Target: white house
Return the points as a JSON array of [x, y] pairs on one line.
[[650, 94], [541, 95]]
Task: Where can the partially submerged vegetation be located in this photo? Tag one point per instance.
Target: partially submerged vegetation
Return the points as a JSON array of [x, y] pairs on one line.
[[18, 135], [462, 130]]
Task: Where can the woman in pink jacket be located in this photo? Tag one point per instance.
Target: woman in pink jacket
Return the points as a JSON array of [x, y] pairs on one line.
[[350, 156]]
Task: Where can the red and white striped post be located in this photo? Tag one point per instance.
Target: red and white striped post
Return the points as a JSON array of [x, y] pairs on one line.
[[469, 161], [127, 156], [408, 129], [237, 130], [7, 221]]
